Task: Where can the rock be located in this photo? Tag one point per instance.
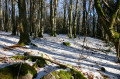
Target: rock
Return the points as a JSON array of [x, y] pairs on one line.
[[29, 53], [11, 72], [27, 76], [72, 74], [49, 76]]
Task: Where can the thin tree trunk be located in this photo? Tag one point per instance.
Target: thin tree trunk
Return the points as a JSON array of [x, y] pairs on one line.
[[13, 18], [93, 23], [34, 18], [55, 13], [52, 17], [42, 19], [65, 6], [6, 17], [0, 14], [84, 12], [30, 17], [70, 18], [75, 20]]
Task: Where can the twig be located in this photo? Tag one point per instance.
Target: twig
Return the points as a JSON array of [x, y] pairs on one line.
[[19, 71]]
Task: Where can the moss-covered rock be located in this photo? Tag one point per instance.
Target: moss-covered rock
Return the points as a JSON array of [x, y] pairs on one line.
[[49, 76], [66, 43], [24, 70], [72, 74]]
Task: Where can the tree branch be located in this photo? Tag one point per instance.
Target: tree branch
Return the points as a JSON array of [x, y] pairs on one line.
[[107, 5]]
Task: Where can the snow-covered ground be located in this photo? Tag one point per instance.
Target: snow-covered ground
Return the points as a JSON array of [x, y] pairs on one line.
[[89, 61]]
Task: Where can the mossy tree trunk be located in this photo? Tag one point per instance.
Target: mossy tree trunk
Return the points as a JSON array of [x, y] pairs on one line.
[[24, 36], [108, 24], [13, 18], [42, 19], [55, 14], [34, 28], [39, 18], [52, 17], [0, 14], [70, 18], [75, 20]]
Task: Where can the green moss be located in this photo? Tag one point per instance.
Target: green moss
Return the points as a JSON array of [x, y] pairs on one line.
[[26, 54], [22, 44], [55, 74], [64, 74], [73, 74], [41, 55], [20, 57], [66, 43], [11, 72], [34, 58], [39, 63]]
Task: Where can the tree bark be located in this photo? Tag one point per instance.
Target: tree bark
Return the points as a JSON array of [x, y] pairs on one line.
[[24, 36], [70, 18], [55, 13], [84, 16], [65, 6], [6, 16], [93, 22], [0, 14], [13, 18], [42, 18], [30, 17], [108, 24], [52, 17], [75, 20]]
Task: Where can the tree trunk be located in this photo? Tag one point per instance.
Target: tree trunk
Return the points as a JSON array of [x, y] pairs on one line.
[[0, 14], [6, 17], [70, 18], [24, 36], [109, 24], [52, 17], [84, 17], [55, 13], [75, 20], [42, 19], [13, 18], [34, 18], [93, 23], [65, 6], [30, 17]]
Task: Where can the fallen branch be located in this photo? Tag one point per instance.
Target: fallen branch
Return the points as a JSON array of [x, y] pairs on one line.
[[50, 60], [13, 46], [92, 49]]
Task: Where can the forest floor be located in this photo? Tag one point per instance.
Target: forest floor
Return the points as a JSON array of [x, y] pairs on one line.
[[96, 55]]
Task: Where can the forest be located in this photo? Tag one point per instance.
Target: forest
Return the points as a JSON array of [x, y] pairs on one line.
[[59, 39]]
